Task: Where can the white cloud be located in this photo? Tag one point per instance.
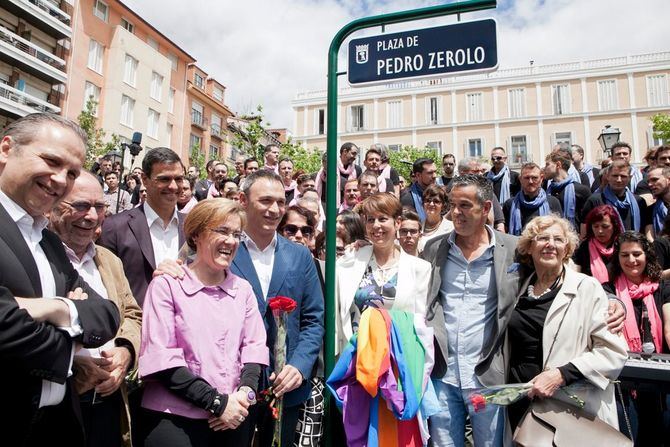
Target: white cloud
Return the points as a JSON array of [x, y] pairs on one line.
[[264, 52]]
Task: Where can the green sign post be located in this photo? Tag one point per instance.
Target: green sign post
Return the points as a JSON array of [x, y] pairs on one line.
[[333, 152]]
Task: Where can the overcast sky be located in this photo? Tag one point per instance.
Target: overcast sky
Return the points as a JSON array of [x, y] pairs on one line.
[[265, 51]]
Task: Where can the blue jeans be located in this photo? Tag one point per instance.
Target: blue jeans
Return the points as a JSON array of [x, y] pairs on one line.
[[447, 428]]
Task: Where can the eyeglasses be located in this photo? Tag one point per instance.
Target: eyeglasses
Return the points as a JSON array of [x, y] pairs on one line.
[[497, 158], [544, 239], [433, 201], [292, 230], [82, 206], [227, 232], [403, 232]]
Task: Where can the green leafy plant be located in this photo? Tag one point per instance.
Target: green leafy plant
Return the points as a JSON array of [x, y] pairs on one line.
[[96, 146], [661, 122], [402, 160]]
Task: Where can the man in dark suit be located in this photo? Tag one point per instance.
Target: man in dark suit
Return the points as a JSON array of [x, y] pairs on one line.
[[151, 233], [40, 328], [203, 185], [275, 266]]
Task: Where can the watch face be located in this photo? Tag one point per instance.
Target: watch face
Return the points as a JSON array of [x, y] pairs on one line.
[[251, 396]]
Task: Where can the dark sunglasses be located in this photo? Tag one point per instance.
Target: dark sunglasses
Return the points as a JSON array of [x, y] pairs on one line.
[[82, 206], [292, 230], [497, 158]]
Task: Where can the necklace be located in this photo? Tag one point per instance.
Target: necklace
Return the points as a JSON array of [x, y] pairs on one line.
[[531, 288], [427, 230]]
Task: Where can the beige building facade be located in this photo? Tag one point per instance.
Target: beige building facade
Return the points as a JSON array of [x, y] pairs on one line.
[[526, 110]]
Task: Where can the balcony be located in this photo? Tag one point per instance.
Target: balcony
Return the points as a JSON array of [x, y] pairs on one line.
[[42, 14], [17, 103], [30, 58], [198, 120], [215, 131]]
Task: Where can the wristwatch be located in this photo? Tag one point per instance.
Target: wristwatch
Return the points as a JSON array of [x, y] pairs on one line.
[[251, 394], [215, 406]]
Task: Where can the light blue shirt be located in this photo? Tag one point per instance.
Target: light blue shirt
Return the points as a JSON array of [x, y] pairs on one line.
[[470, 302]]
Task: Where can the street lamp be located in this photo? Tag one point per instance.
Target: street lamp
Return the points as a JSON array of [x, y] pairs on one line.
[[115, 156], [608, 137]]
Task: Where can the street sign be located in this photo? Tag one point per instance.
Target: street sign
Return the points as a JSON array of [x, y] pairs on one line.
[[461, 47]]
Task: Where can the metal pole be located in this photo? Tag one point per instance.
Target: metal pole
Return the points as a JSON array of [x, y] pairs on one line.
[[332, 149]]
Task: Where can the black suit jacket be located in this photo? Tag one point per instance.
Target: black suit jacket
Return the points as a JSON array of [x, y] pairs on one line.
[[31, 351], [201, 189], [127, 236]]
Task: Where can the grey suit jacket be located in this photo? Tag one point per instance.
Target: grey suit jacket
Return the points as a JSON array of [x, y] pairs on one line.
[[491, 367]]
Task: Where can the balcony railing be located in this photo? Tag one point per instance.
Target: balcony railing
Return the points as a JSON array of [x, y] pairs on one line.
[[50, 9], [31, 49], [215, 130], [22, 98], [197, 119]]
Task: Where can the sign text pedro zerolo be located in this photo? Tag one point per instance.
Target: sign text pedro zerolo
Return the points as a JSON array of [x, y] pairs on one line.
[[467, 46]]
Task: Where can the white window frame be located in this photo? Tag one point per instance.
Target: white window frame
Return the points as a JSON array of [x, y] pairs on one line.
[[555, 141], [216, 120], [201, 85], [153, 120], [197, 109], [394, 118], [104, 16], [437, 145], [605, 104], [472, 112], [361, 125], [568, 99], [90, 89], [317, 113], [217, 93], [127, 110], [128, 25], [516, 107], [96, 53], [438, 110], [661, 98], [156, 86], [394, 147], [171, 94], [130, 65], [481, 149], [512, 159]]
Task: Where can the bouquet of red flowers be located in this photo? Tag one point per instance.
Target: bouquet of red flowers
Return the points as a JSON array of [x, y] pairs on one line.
[[280, 306]]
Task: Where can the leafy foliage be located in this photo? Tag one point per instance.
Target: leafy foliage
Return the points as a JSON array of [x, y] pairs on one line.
[[197, 158], [402, 160], [308, 160], [250, 139], [661, 123], [96, 145]]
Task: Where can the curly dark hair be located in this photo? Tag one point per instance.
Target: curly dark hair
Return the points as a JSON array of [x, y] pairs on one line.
[[652, 270]]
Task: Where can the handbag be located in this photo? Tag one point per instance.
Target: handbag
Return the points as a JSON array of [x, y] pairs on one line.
[[553, 423]]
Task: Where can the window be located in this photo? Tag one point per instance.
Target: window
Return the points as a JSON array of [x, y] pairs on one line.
[[561, 99], [152, 123], [152, 43], [607, 95], [130, 70], [563, 137], [198, 80], [657, 90], [196, 114], [216, 124], [95, 52], [92, 91], [171, 100], [217, 93], [101, 10], [519, 152], [433, 112], [473, 103], [320, 121], [168, 139], [194, 142], [474, 147], [436, 145], [394, 147], [393, 114], [357, 116], [127, 108], [127, 26], [156, 86], [213, 151], [517, 102], [174, 60]]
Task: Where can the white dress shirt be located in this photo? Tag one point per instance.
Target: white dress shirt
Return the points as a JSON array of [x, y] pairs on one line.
[[263, 260], [164, 239], [31, 230]]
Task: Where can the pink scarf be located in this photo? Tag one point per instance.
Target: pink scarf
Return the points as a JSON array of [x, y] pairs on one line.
[[627, 292], [596, 252], [320, 180], [350, 172], [291, 187]]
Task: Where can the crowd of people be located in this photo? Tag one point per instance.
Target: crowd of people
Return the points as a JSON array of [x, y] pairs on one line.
[[138, 309]]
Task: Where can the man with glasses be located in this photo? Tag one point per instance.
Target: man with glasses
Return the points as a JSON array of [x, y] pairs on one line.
[[409, 232], [505, 181], [99, 373], [151, 233], [530, 202], [448, 168]]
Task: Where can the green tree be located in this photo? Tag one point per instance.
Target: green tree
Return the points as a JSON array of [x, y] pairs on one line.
[[96, 146], [197, 158], [661, 122], [249, 139], [402, 160], [308, 160]]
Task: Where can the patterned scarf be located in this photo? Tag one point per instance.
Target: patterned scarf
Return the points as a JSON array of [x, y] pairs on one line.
[[628, 202], [504, 185], [519, 203]]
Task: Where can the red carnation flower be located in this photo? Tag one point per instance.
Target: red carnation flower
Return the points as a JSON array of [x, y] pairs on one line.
[[282, 304], [478, 402]]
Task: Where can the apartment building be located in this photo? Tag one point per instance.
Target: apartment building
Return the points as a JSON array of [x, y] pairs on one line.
[[527, 110], [206, 123], [136, 73], [34, 41]]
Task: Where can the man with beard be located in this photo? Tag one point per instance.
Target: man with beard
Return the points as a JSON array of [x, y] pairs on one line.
[[423, 171], [448, 168], [347, 166]]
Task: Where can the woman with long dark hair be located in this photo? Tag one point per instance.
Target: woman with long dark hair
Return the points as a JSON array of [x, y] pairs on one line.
[[595, 252]]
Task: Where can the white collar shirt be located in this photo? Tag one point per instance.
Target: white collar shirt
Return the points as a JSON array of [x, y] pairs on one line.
[[164, 238], [263, 261]]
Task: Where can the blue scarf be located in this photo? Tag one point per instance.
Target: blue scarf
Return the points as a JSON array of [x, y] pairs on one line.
[[569, 200], [504, 185], [635, 177], [660, 211], [628, 203], [417, 198], [588, 170], [573, 173], [520, 203]]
